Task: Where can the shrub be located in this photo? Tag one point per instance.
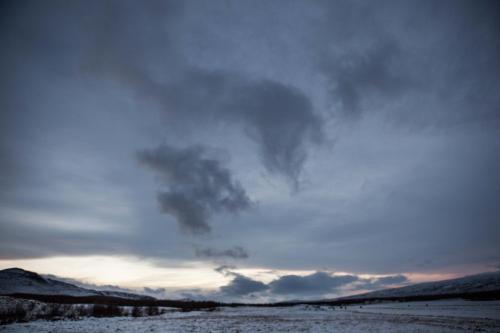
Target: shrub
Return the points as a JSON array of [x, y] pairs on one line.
[[82, 311], [152, 311], [113, 311], [16, 314], [99, 310], [137, 311]]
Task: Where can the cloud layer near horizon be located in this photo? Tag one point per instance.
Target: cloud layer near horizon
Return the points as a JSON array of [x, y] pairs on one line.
[[315, 285], [243, 288]]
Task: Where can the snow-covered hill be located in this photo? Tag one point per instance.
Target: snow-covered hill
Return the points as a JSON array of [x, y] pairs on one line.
[[484, 282], [16, 280]]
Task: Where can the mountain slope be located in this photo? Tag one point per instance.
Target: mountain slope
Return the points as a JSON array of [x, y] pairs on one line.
[[484, 282], [19, 281]]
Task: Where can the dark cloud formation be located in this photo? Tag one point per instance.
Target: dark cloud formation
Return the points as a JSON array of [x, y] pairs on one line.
[[279, 117], [198, 185], [394, 279], [355, 77], [155, 292], [381, 282], [314, 284], [318, 284], [236, 252], [424, 72], [242, 286], [226, 270], [281, 120]]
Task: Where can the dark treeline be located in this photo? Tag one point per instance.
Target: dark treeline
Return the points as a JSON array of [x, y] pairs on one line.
[[55, 307], [194, 305], [474, 296], [110, 300], [55, 311]]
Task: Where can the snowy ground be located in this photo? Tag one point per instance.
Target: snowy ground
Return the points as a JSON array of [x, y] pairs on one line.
[[440, 316], [450, 308]]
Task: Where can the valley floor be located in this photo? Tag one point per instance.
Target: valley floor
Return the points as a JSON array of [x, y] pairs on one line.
[[438, 316]]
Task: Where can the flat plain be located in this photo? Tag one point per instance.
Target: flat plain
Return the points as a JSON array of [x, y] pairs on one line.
[[437, 316]]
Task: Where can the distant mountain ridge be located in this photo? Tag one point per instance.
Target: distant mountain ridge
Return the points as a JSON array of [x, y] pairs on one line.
[[20, 281], [487, 285], [478, 283]]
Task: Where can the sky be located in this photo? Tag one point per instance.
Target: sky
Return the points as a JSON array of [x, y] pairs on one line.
[[250, 150]]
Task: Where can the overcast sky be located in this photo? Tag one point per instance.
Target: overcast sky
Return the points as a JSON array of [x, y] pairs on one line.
[[260, 149]]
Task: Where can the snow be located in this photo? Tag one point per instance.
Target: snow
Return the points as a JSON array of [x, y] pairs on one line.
[[483, 282], [433, 316], [451, 308], [450, 316], [16, 280]]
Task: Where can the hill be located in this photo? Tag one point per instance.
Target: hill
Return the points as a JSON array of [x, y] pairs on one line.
[[19, 281], [480, 284]]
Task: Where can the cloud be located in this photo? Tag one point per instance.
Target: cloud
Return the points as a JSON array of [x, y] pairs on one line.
[[67, 130], [418, 73], [197, 185], [393, 279], [314, 284], [236, 252], [242, 286], [155, 292], [278, 117], [318, 284], [281, 120], [225, 270], [381, 282], [356, 76]]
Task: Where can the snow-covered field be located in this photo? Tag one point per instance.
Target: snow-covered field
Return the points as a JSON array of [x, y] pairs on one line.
[[441, 316], [449, 308]]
